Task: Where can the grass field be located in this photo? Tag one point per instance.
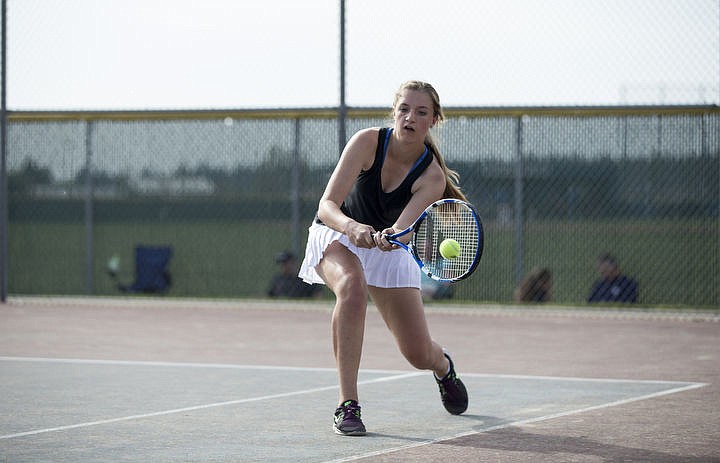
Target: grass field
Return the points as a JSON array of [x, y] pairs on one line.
[[676, 263]]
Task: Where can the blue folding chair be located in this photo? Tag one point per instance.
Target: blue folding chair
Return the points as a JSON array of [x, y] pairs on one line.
[[151, 272]]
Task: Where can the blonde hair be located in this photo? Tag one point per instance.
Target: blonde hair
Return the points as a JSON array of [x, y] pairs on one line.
[[452, 178]]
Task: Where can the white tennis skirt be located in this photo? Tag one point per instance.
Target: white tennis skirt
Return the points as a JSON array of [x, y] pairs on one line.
[[383, 269]]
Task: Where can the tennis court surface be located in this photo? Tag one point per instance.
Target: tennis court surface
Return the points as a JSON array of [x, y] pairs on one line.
[[167, 380]]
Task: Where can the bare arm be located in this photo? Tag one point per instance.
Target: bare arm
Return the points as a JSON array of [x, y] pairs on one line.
[[358, 155]]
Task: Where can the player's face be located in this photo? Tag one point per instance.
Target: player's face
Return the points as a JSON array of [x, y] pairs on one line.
[[413, 114]]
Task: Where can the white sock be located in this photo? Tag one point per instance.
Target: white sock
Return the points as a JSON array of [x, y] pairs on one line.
[[446, 373]]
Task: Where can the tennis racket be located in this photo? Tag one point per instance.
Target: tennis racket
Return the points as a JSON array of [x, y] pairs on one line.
[[442, 220]]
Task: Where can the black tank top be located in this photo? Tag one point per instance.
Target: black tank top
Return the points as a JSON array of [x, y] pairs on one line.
[[368, 203]]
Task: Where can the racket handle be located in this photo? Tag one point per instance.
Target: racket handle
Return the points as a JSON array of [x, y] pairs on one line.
[[396, 242]]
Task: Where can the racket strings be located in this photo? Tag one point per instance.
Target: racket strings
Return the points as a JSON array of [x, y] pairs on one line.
[[448, 221]]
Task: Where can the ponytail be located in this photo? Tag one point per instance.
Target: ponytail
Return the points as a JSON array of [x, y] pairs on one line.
[[452, 178]]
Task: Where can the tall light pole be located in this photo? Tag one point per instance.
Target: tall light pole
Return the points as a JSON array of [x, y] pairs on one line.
[[342, 109]]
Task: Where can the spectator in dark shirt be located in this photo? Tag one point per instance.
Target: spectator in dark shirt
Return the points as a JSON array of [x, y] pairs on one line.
[[613, 286], [286, 283]]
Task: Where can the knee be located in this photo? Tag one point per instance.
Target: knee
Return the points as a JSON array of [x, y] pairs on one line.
[[351, 289]]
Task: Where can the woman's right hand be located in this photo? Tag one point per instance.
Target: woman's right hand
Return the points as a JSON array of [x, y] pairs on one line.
[[360, 235]]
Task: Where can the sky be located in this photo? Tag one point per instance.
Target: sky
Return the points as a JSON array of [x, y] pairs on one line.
[[236, 54]]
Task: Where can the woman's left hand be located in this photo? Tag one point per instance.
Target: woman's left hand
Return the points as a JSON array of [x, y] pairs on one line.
[[382, 242]]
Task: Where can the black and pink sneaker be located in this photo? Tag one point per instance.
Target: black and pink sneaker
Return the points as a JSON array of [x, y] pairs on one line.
[[452, 391], [347, 420]]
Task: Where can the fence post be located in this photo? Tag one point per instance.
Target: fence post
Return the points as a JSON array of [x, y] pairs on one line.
[[89, 241], [519, 200], [295, 190], [3, 159], [342, 108]]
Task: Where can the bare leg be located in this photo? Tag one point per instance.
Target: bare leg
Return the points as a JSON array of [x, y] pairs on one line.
[[343, 274], [403, 312]]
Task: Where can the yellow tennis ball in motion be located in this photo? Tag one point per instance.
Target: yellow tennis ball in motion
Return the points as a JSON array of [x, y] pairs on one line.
[[450, 248]]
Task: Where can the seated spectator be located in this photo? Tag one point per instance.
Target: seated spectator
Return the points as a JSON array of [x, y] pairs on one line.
[[286, 283], [613, 286], [535, 287], [433, 289]]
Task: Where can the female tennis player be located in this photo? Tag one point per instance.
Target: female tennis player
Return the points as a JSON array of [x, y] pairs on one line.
[[384, 179]]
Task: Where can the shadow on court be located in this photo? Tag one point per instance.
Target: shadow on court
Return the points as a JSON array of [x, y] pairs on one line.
[[513, 439]]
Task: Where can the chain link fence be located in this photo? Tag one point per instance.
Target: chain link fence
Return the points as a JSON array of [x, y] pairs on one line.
[[229, 190], [578, 128]]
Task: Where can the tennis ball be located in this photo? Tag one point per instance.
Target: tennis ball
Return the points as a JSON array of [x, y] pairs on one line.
[[450, 248]]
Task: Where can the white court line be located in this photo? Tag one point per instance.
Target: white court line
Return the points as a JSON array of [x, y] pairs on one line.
[[230, 366], [184, 409], [395, 375], [158, 364], [581, 379], [234, 366], [518, 423]]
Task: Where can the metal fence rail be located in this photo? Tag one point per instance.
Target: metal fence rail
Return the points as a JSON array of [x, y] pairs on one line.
[[229, 189]]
